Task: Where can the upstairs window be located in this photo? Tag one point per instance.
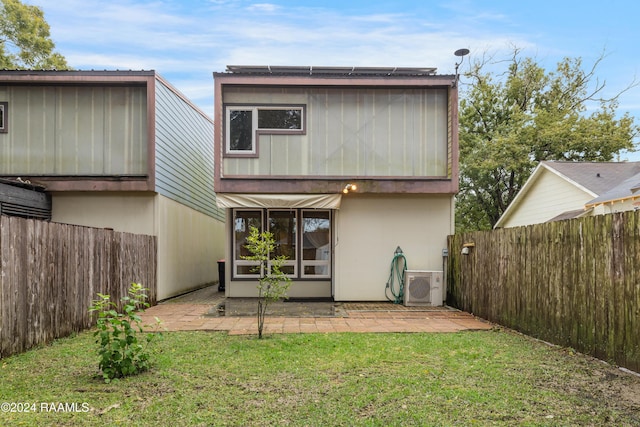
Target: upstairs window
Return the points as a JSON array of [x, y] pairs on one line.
[[245, 123], [4, 112], [240, 130], [280, 119]]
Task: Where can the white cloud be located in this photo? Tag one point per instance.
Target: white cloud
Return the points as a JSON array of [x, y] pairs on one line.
[[263, 7], [187, 40], [149, 33]]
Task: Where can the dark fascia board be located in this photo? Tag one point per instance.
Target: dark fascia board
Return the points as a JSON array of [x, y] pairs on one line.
[[94, 183], [223, 79], [75, 77], [319, 185]]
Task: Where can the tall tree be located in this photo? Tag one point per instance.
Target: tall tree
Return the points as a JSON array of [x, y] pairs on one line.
[[25, 41], [509, 123]]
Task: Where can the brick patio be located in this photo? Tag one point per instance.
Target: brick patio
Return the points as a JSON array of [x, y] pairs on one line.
[[190, 313]]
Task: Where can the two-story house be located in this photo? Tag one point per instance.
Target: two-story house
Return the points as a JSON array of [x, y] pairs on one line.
[[343, 165], [122, 150]]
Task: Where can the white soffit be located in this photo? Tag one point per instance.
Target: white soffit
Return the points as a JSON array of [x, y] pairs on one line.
[[288, 201]]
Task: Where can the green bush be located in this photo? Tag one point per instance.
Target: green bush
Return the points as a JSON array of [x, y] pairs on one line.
[[121, 352]]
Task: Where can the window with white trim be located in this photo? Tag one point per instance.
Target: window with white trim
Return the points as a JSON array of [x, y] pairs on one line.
[[303, 236], [240, 133], [283, 226], [243, 220], [245, 123], [316, 244]]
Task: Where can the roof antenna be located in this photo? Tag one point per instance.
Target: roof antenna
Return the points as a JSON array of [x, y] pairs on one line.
[[461, 53]]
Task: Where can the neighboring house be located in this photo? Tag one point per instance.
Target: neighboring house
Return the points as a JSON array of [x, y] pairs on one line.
[[291, 144], [122, 150], [564, 190]]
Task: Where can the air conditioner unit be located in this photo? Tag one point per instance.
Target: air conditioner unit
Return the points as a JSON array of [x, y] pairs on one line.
[[423, 288]]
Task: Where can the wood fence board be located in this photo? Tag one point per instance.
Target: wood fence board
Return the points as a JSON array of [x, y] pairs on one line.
[[568, 286], [19, 261], [606, 288], [590, 284], [535, 324], [4, 288], [631, 312], [618, 288], [633, 347], [579, 279], [551, 274], [33, 313]]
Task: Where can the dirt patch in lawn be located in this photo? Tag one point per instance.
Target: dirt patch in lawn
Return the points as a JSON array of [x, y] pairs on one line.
[[593, 380]]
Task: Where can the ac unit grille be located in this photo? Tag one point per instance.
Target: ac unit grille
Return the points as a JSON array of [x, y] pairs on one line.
[[423, 288], [419, 289]]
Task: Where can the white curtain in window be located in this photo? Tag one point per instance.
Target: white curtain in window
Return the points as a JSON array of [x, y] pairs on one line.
[[289, 201]]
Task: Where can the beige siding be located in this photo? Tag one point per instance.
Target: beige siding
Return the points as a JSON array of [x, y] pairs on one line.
[[617, 206], [352, 132], [365, 243], [125, 212], [189, 242], [189, 245], [548, 197], [74, 131]]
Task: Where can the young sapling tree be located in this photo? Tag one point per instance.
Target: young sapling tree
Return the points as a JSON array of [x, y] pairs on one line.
[[273, 284]]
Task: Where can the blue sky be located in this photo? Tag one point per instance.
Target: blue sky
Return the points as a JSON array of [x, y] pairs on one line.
[[187, 40]]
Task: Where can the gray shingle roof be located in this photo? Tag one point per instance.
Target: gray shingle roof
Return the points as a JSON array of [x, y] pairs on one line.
[[600, 177], [625, 189], [569, 215]]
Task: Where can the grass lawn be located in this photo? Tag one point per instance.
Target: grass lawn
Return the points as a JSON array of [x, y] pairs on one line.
[[206, 379]]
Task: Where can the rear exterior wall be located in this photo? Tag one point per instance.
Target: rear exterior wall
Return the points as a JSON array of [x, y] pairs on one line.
[[367, 229]]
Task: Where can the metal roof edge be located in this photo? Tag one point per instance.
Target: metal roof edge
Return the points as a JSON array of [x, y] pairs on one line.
[[329, 70]]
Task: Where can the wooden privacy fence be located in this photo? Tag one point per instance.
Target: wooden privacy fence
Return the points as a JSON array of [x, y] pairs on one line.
[[50, 273], [574, 283]]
